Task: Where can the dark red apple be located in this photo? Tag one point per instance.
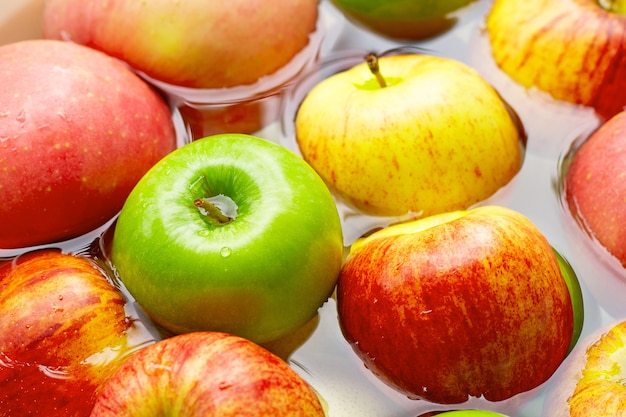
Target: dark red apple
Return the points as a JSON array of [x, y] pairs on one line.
[[77, 131], [63, 331]]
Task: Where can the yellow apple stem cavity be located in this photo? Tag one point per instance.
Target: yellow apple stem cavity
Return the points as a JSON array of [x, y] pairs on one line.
[[615, 6], [218, 209], [372, 64]]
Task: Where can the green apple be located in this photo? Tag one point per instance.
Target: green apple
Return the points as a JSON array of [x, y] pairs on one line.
[[576, 294], [64, 331], [230, 233], [478, 302], [403, 19], [594, 187], [421, 134], [571, 49], [192, 43], [77, 131], [206, 374]]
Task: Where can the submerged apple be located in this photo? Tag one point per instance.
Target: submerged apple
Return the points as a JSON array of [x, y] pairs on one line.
[[409, 133], [230, 233], [594, 187], [64, 331], [458, 305], [206, 374], [77, 131], [573, 49], [193, 43], [403, 19], [591, 381]]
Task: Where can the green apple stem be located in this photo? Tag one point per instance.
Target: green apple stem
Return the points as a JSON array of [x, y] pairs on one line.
[[212, 211], [372, 63]]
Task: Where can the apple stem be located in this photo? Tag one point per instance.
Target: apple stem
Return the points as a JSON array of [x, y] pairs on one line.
[[372, 63], [212, 211]]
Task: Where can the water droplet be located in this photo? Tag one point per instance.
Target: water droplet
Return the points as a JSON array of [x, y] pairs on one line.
[[203, 232], [60, 297], [225, 251]]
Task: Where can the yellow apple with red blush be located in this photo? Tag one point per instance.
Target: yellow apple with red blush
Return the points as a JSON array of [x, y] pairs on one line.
[[194, 43], [573, 49], [409, 133]]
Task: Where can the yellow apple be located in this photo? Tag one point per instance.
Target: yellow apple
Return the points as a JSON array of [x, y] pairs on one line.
[[572, 49], [591, 380], [437, 137]]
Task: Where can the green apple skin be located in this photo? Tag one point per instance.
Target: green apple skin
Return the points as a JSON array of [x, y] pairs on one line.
[[477, 300], [576, 294], [64, 331], [437, 138], [403, 19], [594, 188], [260, 276], [192, 43], [206, 374], [77, 131], [573, 49]]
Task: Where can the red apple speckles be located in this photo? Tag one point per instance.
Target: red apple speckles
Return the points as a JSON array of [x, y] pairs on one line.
[[77, 131]]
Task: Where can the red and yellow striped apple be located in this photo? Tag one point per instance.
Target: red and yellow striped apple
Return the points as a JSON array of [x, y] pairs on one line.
[[77, 131], [64, 330], [458, 305], [594, 186], [591, 380], [194, 43], [433, 136], [206, 374], [572, 49]]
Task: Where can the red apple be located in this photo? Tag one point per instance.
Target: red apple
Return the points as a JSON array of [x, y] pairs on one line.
[[64, 330], [594, 186], [457, 305], [206, 374], [193, 43], [77, 131], [572, 49]]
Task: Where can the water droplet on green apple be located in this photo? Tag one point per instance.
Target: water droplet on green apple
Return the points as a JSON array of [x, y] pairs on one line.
[[225, 252]]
